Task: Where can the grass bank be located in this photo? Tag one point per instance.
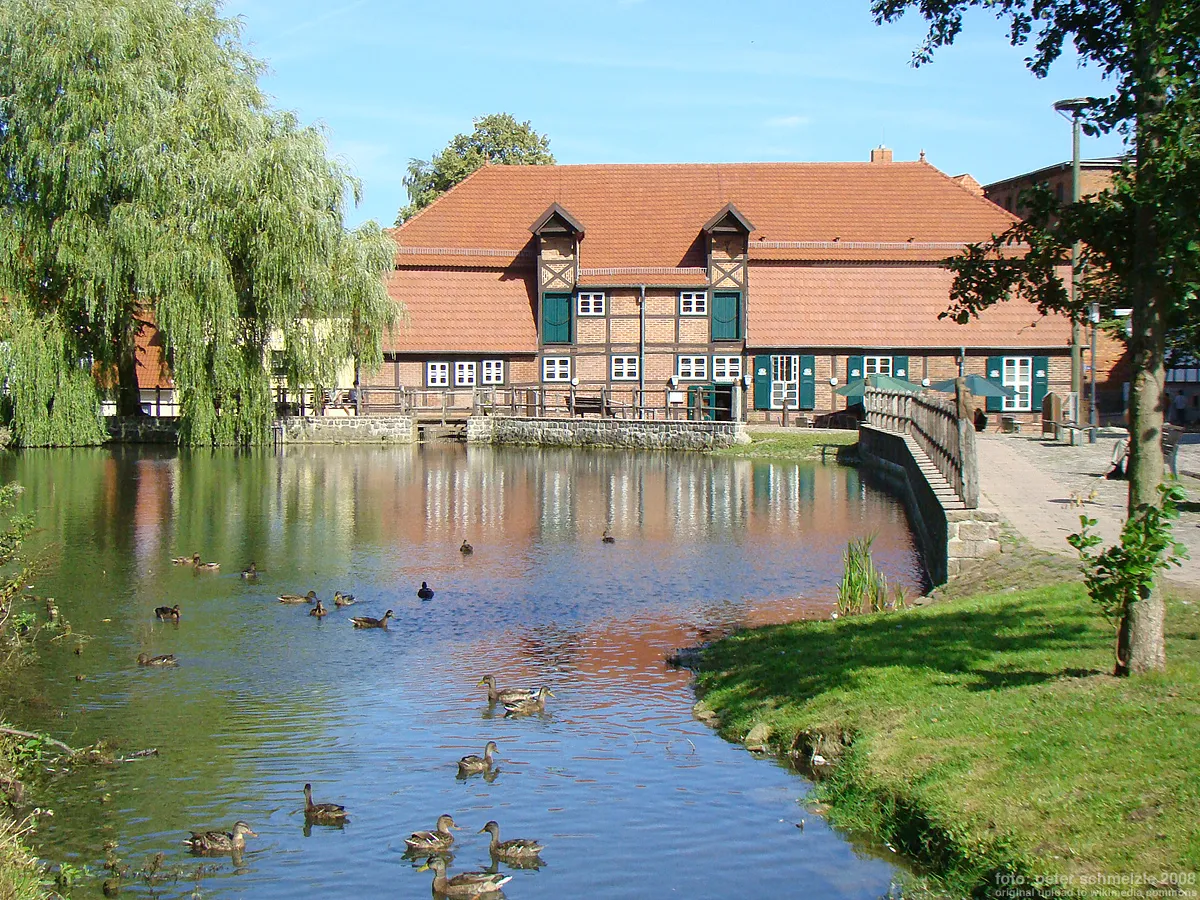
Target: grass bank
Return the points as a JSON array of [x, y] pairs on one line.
[[791, 445], [984, 735]]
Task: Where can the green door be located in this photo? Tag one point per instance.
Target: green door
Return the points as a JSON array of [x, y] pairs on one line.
[[762, 382], [556, 318], [702, 402], [727, 316]]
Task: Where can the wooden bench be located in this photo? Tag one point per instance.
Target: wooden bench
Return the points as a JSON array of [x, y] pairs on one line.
[[580, 406]]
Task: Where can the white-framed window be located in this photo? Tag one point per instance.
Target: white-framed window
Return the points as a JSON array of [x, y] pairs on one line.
[[727, 368], [785, 382], [1018, 375], [624, 368], [877, 365], [556, 368], [437, 374], [693, 303], [590, 303], [691, 368], [493, 371], [464, 374]]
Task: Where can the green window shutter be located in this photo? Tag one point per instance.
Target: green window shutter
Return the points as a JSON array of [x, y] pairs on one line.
[[808, 382], [854, 368], [900, 367], [727, 316], [1041, 381], [995, 374], [762, 382], [556, 318]]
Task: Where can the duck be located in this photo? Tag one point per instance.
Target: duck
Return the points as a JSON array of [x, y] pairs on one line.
[[310, 597], [425, 592], [516, 847], [166, 659], [371, 621], [322, 813], [250, 572], [466, 549], [464, 884], [167, 612], [607, 538], [523, 707], [507, 695], [220, 841], [192, 560], [340, 599], [471, 765], [208, 566], [439, 839], [319, 610]]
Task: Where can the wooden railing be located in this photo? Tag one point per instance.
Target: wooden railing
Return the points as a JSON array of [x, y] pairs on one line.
[[947, 438]]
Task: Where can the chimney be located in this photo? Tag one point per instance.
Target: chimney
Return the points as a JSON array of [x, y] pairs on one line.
[[881, 154]]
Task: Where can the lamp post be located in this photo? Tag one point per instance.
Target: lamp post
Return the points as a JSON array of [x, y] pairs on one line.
[[1094, 416], [1072, 109]]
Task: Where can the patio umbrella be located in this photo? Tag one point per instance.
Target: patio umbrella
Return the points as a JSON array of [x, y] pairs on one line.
[[858, 386], [977, 385]]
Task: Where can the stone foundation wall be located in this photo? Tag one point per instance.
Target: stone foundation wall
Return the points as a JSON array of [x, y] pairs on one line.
[[611, 433], [348, 430], [143, 429]]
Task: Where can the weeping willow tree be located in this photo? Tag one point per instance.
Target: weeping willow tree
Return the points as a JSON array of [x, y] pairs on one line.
[[148, 177]]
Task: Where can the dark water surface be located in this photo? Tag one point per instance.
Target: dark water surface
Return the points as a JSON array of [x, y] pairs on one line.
[[631, 796]]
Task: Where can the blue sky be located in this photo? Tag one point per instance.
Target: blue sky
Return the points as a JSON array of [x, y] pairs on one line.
[[656, 81]]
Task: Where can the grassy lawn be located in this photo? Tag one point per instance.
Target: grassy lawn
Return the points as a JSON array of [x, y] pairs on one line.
[[985, 734], [802, 444]]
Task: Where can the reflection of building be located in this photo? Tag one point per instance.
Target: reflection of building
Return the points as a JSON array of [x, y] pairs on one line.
[[668, 282]]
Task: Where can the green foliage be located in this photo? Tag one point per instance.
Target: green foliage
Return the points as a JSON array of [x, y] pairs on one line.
[[1125, 573], [498, 139], [863, 587]]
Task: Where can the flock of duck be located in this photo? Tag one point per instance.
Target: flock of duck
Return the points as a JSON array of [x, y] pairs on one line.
[[435, 845]]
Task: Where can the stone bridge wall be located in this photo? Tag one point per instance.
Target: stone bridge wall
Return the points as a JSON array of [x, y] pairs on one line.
[[348, 430], [628, 434]]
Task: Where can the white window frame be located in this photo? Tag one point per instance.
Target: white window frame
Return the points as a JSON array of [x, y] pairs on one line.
[[464, 373], [726, 369], [437, 374], [1016, 372], [691, 368], [693, 303], [589, 303], [875, 365], [492, 371], [556, 368], [785, 381], [623, 367]]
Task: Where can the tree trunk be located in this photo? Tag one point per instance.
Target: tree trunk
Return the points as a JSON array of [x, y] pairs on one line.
[[129, 395]]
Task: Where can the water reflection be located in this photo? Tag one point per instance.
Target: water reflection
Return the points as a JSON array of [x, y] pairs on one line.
[[614, 775]]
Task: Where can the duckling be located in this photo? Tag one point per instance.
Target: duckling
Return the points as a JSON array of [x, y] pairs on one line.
[[516, 847], [167, 659], [505, 695], [167, 612], [438, 839], [607, 538], [208, 567], [466, 549], [340, 599], [536, 703], [319, 611], [465, 884], [425, 592], [371, 621], [471, 765], [250, 572], [310, 597], [192, 560], [322, 813], [215, 842]]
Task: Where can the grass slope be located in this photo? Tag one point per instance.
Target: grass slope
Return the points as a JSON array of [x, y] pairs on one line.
[[806, 444], [985, 735]]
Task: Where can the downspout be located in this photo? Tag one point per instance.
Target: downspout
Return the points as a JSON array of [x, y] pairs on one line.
[[642, 352]]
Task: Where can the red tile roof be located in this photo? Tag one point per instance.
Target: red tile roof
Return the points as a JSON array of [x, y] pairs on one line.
[[463, 310], [152, 371], [881, 306]]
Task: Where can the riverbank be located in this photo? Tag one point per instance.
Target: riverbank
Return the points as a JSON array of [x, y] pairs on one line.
[[773, 442], [20, 875], [984, 735]]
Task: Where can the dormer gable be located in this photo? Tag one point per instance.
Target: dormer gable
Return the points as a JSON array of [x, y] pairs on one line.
[[558, 234], [728, 235], [728, 219], [556, 220]]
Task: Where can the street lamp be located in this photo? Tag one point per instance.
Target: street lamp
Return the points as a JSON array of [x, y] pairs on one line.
[[1072, 109]]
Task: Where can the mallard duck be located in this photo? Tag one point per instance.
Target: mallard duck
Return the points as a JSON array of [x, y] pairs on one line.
[[340, 599], [536, 703], [208, 567], [607, 538], [438, 839], [464, 884], [470, 765], [310, 597], [167, 612], [319, 610], [507, 695], [425, 592], [515, 847], [220, 841], [371, 621], [322, 813], [250, 572], [192, 560], [167, 659], [466, 549]]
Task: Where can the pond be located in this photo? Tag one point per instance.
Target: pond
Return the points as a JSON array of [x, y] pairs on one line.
[[629, 794]]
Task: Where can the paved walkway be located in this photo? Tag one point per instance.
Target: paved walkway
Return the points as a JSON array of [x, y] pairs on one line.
[[1031, 483]]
